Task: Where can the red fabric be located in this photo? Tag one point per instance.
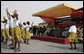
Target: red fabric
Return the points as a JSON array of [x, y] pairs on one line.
[[49, 20], [80, 24], [77, 13]]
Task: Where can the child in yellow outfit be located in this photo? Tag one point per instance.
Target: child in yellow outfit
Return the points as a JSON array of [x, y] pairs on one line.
[[17, 36], [6, 31], [2, 31], [20, 31], [28, 34], [73, 38], [23, 31], [11, 26]]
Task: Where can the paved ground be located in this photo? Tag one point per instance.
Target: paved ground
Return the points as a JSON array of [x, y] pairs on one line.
[[37, 46]]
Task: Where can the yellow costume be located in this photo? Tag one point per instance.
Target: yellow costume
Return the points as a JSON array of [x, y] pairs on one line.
[[28, 35], [7, 33], [17, 34], [22, 33], [3, 32], [12, 33], [73, 37]]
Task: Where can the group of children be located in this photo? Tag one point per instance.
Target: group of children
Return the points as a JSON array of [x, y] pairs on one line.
[[13, 29]]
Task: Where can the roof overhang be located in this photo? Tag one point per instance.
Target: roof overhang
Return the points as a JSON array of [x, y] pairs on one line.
[[56, 11]]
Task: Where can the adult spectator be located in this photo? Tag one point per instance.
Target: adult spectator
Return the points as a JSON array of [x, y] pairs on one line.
[[37, 31], [64, 34], [47, 32], [34, 30], [52, 32], [40, 31], [43, 30]]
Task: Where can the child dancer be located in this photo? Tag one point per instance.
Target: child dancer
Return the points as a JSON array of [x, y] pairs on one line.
[[73, 38], [11, 26], [23, 31], [17, 32], [6, 31], [2, 31], [28, 34]]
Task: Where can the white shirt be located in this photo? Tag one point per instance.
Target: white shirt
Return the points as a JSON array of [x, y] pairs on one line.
[[15, 22], [6, 26], [28, 27], [23, 26], [11, 22], [73, 29], [2, 25]]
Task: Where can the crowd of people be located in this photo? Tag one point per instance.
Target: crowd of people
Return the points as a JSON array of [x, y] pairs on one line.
[[48, 31], [54, 31], [38, 30]]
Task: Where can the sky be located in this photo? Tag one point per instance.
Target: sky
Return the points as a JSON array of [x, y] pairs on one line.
[[25, 9]]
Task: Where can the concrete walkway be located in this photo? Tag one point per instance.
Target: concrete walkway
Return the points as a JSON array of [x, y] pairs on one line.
[[37, 46]]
